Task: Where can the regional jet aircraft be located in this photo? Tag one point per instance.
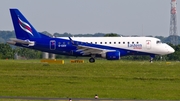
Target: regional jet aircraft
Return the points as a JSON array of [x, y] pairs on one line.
[[110, 48]]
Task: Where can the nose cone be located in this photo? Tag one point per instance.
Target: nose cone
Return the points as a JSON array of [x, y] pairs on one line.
[[171, 50]]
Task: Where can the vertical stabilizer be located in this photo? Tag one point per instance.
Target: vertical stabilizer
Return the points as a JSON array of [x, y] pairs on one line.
[[23, 29]]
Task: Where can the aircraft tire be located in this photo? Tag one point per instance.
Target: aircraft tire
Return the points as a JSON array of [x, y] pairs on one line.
[[91, 60]]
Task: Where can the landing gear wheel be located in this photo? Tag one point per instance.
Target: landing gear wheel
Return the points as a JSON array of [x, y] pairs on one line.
[[91, 60], [151, 61]]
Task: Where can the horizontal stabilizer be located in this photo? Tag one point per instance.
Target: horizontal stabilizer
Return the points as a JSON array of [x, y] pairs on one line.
[[11, 42], [20, 41], [25, 42]]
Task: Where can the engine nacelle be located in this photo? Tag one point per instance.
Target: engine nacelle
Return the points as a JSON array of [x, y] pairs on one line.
[[111, 55]]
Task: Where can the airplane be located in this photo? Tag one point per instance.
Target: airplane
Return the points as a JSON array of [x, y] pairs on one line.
[[110, 48]]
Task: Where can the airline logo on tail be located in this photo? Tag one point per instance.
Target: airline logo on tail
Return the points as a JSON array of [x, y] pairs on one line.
[[26, 27]]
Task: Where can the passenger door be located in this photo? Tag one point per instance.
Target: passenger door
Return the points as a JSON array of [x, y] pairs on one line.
[[148, 44], [52, 44]]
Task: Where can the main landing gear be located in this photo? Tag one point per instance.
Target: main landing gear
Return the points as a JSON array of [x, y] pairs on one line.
[[91, 60]]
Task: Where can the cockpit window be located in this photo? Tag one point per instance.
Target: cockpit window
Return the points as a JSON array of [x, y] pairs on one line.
[[158, 42]]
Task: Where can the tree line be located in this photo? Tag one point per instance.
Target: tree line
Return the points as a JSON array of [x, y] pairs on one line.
[[8, 52], [5, 35]]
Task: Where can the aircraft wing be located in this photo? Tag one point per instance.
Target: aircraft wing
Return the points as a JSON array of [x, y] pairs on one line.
[[87, 50]]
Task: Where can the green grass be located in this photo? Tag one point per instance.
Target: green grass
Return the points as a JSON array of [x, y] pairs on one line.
[[109, 79]]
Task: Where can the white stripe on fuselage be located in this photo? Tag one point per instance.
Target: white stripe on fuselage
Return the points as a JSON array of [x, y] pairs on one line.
[[141, 44]]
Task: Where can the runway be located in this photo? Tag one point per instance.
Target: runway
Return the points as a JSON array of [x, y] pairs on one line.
[[66, 99]]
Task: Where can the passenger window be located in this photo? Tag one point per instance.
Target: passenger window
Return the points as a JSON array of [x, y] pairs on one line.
[[64, 43], [100, 42], [59, 43], [114, 42], [128, 42], [137, 42], [95, 42], [123, 42], [132, 42], [119, 42], [109, 42], [105, 42]]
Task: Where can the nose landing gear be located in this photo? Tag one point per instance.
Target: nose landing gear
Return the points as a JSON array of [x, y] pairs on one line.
[[151, 58]]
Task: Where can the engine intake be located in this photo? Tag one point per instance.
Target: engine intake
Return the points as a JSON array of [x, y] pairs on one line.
[[111, 55]]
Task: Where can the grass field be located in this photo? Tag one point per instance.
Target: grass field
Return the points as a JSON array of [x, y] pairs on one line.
[[109, 79]]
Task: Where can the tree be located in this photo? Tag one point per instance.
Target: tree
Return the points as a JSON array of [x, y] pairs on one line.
[[5, 35], [48, 34], [28, 53], [6, 52], [176, 54], [111, 35]]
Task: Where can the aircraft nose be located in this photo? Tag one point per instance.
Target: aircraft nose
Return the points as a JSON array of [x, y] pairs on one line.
[[171, 50]]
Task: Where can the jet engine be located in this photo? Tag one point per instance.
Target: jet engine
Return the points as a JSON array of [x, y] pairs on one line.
[[114, 55]]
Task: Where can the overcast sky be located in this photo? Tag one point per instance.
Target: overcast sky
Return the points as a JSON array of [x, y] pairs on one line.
[[126, 17]]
